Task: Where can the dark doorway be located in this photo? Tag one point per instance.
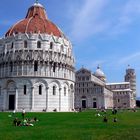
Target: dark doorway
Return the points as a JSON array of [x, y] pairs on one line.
[[83, 103], [11, 102], [94, 105]]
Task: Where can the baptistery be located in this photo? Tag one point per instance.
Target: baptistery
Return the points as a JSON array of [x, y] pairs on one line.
[[36, 65]]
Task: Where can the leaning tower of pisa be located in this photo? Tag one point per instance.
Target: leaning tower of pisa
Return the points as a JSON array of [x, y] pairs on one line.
[[130, 76]]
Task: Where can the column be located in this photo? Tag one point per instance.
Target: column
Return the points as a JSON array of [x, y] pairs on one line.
[[16, 68], [48, 69], [60, 99], [4, 70], [52, 75], [5, 99], [47, 88], [69, 100], [32, 105], [43, 68], [16, 101], [72, 91], [59, 71], [22, 64], [32, 68], [27, 67]]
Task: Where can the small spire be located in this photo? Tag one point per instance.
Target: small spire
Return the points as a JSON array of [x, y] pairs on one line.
[[128, 66], [36, 1], [98, 67]]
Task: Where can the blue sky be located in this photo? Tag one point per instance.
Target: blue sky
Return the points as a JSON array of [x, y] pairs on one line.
[[104, 32]]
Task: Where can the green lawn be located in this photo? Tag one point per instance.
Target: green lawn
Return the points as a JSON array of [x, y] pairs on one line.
[[72, 126]]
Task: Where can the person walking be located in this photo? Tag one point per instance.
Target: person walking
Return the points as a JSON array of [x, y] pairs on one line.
[[23, 113]]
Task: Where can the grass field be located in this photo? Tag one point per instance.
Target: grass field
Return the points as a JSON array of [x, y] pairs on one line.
[[72, 126]]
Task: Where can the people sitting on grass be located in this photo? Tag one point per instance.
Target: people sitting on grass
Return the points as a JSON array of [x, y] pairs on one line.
[[25, 122], [98, 114], [33, 119], [15, 121], [115, 119], [105, 119], [114, 110]]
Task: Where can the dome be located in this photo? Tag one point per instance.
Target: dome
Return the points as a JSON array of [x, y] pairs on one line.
[[36, 21], [99, 72]]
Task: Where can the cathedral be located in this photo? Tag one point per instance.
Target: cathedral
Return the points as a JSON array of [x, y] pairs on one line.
[[92, 90], [36, 65]]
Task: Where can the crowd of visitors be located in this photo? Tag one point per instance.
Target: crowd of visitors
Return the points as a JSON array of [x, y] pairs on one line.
[[24, 121], [106, 115]]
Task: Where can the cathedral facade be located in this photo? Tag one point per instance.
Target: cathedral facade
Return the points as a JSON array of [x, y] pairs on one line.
[[36, 65], [92, 90]]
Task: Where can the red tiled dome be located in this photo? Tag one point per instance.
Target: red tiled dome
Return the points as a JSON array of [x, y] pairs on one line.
[[36, 21]]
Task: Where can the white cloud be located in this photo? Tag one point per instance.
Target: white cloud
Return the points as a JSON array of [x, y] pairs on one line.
[[133, 58], [105, 17], [129, 13], [85, 20]]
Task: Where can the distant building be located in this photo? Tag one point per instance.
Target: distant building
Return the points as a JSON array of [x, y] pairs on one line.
[[92, 91]]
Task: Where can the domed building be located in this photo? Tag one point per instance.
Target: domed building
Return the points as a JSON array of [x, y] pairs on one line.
[[100, 74], [36, 65], [92, 90]]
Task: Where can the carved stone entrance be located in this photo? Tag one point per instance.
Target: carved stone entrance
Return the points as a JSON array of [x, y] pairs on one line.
[[11, 102]]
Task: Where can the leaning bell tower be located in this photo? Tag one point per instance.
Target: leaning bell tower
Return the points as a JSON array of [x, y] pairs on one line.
[[130, 76]]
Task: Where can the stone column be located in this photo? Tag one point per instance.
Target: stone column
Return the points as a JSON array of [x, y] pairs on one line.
[[16, 69], [43, 69], [16, 101], [4, 70], [72, 92], [48, 69], [5, 99], [56, 70], [69, 100], [60, 89], [32, 97], [27, 67], [59, 71], [51, 70], [22, 64], [47, 88]]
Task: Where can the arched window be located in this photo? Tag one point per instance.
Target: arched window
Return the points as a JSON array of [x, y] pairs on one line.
[[35, 66], [54, 67], [38, 44], [62, 48], [65, 92], [71, 86], [11, 66], [51, 45], [118, 100], [25, 88], [40, 89], [54, 90], [25, 44], [12, 45]]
